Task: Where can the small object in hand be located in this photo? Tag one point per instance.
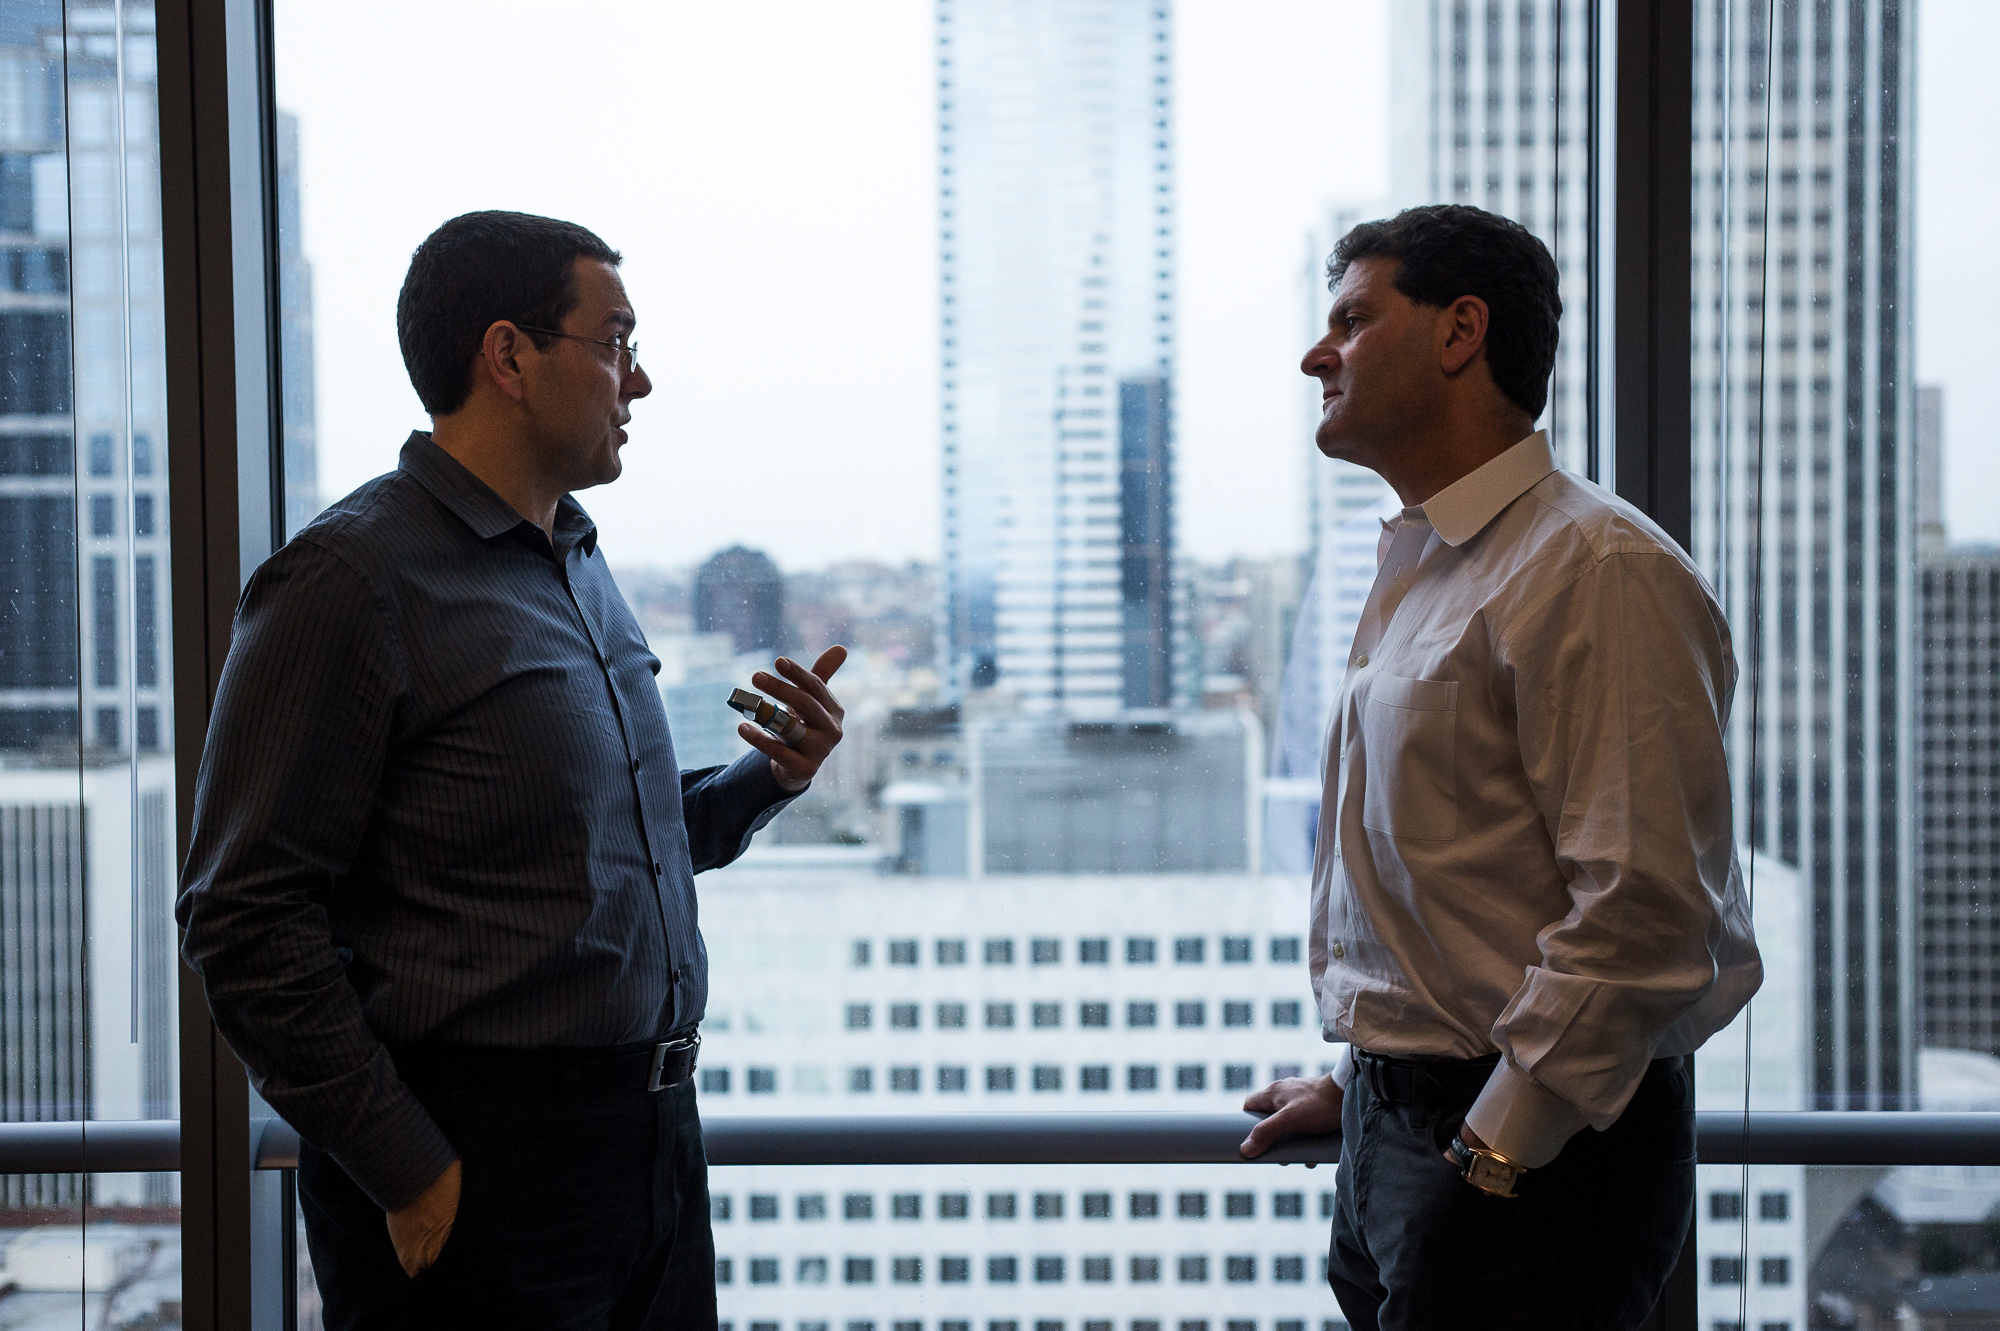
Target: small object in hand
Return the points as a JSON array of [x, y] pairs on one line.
[[788, 728]]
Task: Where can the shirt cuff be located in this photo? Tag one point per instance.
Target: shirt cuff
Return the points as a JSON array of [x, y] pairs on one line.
[[1343, 1066], [1520, 1118], [395, 1163], [388, 1142], [772, 791]]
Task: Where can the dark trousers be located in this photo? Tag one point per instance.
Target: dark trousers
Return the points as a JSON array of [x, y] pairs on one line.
[[1586, 1245], [584, 1209]]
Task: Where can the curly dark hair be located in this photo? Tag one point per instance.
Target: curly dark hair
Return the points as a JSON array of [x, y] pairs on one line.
[[474, 271], [1445, 251]]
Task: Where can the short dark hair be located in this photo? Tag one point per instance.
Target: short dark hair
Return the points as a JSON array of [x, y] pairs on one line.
[[1446, 251], [474, 271]]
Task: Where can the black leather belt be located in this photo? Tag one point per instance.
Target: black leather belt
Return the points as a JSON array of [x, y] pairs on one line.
[[1411, 1081], [651, 1066]]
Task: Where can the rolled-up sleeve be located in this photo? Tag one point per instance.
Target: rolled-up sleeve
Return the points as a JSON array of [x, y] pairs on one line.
[[1622, 681], [303, 720]]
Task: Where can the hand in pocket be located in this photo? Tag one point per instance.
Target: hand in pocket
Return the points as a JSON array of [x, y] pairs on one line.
[[420, 1228]]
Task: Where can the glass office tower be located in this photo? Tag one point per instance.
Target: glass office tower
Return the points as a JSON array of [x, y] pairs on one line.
[[87, 980], [1804, 510], [1056, 235]]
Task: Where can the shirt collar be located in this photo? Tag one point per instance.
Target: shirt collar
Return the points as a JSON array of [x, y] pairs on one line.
[[475, 503], [1462, 509]]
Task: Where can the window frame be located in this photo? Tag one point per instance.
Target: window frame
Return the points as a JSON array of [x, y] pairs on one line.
[[219, 222]]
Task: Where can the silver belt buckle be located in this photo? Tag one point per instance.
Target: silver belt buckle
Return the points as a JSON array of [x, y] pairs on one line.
[[660, 1052]]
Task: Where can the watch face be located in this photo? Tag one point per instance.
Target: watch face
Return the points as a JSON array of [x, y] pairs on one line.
[[1489, 1175]]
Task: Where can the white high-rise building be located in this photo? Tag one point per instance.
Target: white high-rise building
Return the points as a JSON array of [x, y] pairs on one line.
[[1754, 1237], [1056, 232], [88, 962], [885, 995]]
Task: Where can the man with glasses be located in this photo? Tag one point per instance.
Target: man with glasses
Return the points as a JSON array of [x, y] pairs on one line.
[[441, 883], [1527, 911]]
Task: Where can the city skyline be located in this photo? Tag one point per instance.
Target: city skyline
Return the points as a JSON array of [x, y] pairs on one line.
[[1835, 882]]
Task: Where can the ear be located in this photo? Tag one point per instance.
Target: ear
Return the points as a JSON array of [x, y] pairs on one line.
[[1462, 326], [500, 358]]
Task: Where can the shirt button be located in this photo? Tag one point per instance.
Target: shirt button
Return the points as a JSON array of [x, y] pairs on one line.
[[635, 767], [677, 975], [1339, 951], [1361, 660], [657, 869]]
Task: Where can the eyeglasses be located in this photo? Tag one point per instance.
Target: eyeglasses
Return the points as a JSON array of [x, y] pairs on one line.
[[628, 350]]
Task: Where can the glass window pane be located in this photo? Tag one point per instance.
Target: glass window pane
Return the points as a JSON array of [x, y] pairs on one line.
[[88, 973], [1838, 168], [974, 331]]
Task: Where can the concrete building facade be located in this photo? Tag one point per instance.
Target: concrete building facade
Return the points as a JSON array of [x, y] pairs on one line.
[[1070, 993]]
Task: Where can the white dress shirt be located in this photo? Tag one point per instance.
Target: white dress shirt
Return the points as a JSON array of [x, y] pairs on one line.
[[1525, 843]]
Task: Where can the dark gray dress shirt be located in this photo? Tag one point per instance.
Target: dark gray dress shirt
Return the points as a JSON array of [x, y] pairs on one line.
[[439, 803]]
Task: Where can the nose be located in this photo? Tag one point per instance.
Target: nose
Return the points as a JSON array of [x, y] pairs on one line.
[[1320, 360], [638, 383]]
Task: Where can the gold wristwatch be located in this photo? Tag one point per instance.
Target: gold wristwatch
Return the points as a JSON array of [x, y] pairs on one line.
[[1488, 1171]]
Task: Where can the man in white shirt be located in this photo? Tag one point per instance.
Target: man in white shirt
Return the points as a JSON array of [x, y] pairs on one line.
[[1527, 911]]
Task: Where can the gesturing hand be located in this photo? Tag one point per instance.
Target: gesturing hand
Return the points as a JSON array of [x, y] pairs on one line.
[[1293, 1105], [805, 694], [419, 1228]]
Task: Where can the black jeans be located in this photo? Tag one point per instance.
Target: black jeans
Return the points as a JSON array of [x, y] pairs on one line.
[[1586, 1245], [583, 1209]]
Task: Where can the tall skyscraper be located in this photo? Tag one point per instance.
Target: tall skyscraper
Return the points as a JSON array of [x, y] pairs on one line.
[[83, 512], [1958, 715], [1804, 515], [295, 334], [1056, 230], [740, 592], [1959, 632]]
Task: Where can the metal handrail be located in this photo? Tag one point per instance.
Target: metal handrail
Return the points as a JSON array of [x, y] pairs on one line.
[[1721, 1138]]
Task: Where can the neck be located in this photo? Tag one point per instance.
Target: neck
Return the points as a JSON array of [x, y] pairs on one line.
[[1417, 469], [495, 452]]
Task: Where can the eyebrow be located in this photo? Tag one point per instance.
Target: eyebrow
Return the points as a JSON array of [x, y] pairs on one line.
[[1342, 307], [623, 319]]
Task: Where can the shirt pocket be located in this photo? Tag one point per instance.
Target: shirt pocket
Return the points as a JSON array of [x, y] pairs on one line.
[[1409, 742]]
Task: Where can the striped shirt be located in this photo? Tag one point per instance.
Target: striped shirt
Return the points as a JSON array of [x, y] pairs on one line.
[[439, 803]]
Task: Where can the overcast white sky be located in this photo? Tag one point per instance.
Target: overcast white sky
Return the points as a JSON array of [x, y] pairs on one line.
[[768, 171], [1958, 259]]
